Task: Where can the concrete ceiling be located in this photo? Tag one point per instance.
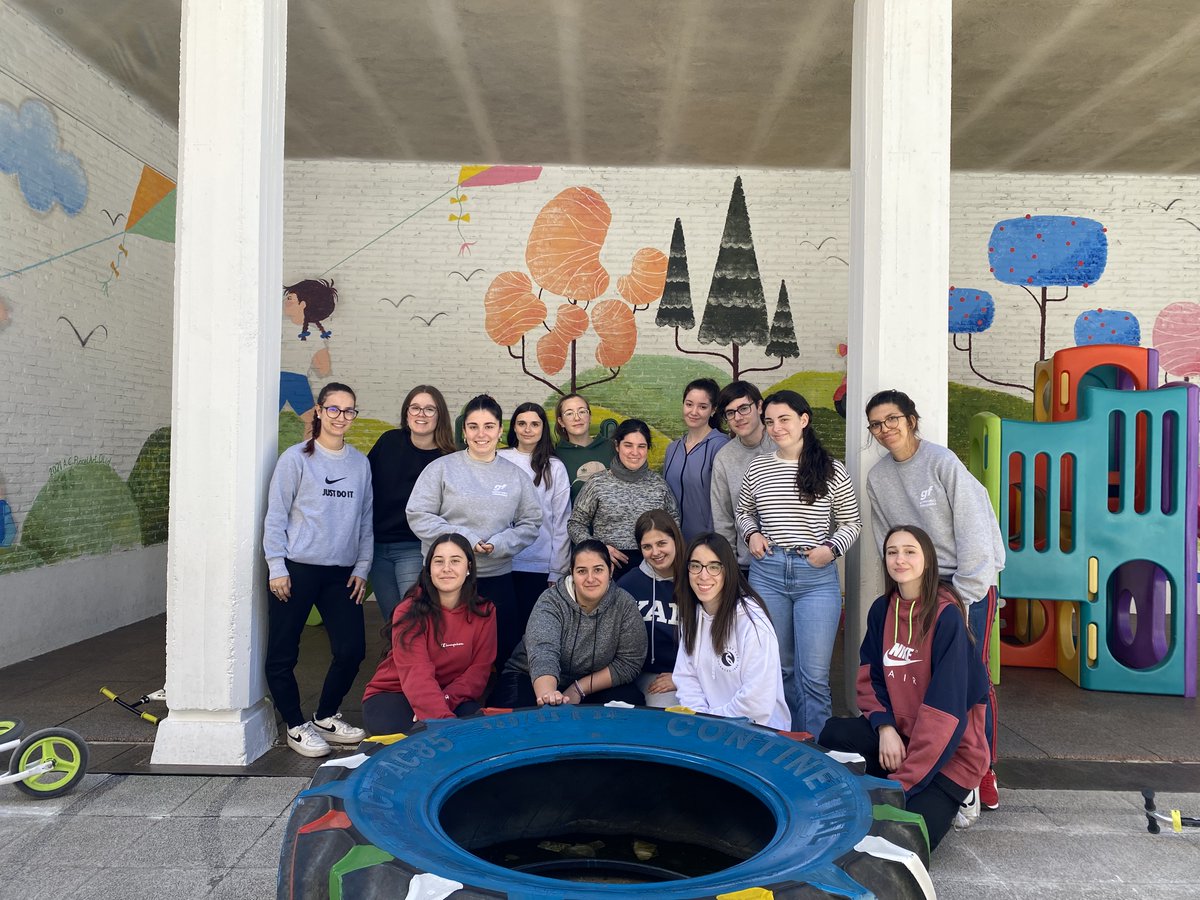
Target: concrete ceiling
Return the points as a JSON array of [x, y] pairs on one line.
[[1085, 86]]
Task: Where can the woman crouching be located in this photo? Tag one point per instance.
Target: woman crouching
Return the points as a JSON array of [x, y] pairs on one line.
[[442, 643], [728, 661], [585, 641], [922, 688]]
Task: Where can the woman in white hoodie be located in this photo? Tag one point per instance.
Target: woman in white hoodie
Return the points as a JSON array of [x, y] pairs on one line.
[[728, 662]]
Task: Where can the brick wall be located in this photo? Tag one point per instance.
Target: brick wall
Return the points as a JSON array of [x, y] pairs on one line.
[[77, 417], [333, 210]]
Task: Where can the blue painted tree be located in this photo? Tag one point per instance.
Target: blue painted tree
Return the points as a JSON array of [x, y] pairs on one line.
[[1045, 252], [1107, 326], [972, 312]]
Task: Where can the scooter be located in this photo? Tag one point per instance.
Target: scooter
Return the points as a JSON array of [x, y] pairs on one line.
[[46, 764]]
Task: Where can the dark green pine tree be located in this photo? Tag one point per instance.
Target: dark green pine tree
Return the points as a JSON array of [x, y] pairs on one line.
[[736, 312], [675, 307], [783, 333]]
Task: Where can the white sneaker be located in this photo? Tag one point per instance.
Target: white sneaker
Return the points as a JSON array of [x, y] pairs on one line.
[[968, 811], [337, 731], [307, 741]]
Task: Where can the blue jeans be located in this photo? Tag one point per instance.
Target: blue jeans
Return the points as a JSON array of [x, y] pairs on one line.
[[395, 569], [805, 605]]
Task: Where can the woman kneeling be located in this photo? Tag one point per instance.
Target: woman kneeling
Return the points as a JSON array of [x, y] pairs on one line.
[[442, 643], [585, 641], [728, 662], [922, 688]]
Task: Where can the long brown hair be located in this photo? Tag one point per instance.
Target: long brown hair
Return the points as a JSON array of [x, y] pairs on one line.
[[814, 470], [543, 451], [330, 388], [425, 611], [443, 433], [735, 590], [660, 520], [927, 601]]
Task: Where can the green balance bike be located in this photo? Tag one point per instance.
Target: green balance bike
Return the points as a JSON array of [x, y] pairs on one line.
[[46, 764]]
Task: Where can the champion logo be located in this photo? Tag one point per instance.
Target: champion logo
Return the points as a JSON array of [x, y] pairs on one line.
[[900, 655], [329, 480]]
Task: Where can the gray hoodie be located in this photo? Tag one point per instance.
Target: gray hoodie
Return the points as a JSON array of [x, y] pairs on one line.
[[564, 641]]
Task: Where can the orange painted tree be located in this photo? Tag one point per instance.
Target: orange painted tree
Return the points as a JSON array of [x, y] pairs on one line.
[[563, 258]]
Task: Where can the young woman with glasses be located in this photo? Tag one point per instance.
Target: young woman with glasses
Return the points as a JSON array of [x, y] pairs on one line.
[[318, 541], [728, 662], [688, 465], [798, 512], [582, 454], [397, 459], [925, 484]]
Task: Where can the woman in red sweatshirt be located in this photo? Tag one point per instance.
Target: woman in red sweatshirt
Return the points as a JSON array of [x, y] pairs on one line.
[[922, 688], [442, 645]]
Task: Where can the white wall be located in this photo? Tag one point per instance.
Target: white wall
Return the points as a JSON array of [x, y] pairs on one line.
[[64, 401], [334, 209]]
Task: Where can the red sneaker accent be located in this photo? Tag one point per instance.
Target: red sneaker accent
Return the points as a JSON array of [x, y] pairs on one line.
[[989, 795]]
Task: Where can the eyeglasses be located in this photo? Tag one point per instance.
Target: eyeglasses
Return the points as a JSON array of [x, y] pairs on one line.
[[427, 411], [890, 423], [336, 411], [743, 410], [713, 568], [576, 413]]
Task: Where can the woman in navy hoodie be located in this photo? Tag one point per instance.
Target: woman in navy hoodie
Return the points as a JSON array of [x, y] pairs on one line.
[[922, 688], [652, 585]]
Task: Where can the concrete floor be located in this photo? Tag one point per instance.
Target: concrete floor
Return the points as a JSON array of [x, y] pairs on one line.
[[1070, 823]]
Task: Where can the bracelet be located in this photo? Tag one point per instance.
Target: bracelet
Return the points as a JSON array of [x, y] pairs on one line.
[[578, 688]]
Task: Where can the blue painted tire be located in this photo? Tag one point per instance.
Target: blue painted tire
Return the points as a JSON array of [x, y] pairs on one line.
[[792, 820]]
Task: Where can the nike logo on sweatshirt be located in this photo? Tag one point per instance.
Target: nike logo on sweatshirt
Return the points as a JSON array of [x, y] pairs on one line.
[[329, 480], [900, 655]]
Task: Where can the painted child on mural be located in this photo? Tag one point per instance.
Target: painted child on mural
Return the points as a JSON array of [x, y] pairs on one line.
[[306, 302]]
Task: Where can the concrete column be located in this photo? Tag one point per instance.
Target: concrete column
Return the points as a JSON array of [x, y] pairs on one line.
[[899, 245], [228, 271]]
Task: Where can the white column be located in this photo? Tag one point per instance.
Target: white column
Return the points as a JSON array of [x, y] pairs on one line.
[[228, 271], [899, 245]]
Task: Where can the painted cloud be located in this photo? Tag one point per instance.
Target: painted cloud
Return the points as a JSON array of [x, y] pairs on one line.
[[31, 148]]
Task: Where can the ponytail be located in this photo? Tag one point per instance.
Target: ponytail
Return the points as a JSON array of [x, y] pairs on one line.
[[310, 444]]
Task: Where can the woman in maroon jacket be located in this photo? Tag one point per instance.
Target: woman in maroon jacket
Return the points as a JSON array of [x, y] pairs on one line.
[[442, 641], [921, 688]]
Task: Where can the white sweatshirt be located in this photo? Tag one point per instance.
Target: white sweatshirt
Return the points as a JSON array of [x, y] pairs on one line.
[[745, 681], [551, 551]]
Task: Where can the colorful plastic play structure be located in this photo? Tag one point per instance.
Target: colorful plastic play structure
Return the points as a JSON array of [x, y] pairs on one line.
[[1099, 498]]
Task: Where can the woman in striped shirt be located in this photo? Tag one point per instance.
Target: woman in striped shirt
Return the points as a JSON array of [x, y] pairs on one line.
[[798, 512]]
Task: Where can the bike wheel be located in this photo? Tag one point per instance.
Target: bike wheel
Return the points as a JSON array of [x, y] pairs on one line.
[[10, 729], [69, 753]]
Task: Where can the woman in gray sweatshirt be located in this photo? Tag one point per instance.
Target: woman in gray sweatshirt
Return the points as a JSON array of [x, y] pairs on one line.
[[490, 502], [585, 641]]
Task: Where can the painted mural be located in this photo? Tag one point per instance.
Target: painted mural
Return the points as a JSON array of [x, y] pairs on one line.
[[78, 504]]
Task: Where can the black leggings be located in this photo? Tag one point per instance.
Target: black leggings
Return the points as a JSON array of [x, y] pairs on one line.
[[937, 802], [515, 690], [510, 626], [391, 713], [325, 588]]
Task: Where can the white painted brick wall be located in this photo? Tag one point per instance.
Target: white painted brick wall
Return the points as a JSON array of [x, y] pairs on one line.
[[333, 209], [61, 400]]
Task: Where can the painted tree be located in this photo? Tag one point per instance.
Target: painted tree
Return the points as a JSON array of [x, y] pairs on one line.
[[972, 312], [1107, 326], [782, 342], [736, 311], [1177, 339], [1044, 252], [675, 308], [563, 258]]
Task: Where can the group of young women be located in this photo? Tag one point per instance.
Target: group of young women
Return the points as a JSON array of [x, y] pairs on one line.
[[573, 573]]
